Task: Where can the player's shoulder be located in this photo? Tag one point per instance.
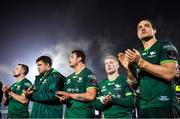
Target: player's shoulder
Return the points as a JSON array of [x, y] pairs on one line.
[[102, 82], [167, 45], [56, 74]]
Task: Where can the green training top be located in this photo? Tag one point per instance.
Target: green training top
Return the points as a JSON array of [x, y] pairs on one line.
[[154, 91], [45, 103], [80, 83], [15, 108], [122, 98]]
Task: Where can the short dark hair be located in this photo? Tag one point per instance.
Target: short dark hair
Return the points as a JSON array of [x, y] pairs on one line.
[[45, 59], [25, 68], [80, 53], [146, 19]]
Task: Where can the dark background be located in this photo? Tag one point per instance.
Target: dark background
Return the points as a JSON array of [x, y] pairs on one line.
[[29, 29]]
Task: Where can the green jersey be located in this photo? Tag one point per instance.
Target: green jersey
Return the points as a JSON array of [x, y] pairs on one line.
[[122, 98], [80, 83], [45, 103], [15, 108], [154, 91]]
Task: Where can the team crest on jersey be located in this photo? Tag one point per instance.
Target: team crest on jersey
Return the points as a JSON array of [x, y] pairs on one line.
[[117, 87], [103, 89], [68, 81], [152, 54], [79, 79], [45, 81]]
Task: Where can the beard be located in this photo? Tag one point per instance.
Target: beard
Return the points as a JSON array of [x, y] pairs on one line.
[[146, 38]]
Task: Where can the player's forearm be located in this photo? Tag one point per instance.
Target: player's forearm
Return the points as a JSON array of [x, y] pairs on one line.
[[19, 98], [166, 72], [124, 102], [83, 96]]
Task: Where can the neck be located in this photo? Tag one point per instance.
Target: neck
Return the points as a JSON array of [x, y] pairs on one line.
[[20, 78], [113, 76], [148, 44], [79, 68]]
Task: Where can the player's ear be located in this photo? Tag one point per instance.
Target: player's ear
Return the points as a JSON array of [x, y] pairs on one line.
[[79, 59], [154, 31]]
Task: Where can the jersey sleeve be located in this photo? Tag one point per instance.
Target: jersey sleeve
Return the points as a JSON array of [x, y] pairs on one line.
[[97, 103], [91, 81], [26, 85], [127, 98], [168, 52]]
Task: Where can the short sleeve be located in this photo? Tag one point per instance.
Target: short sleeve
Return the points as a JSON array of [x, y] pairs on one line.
[[168, 53], [91, 81]]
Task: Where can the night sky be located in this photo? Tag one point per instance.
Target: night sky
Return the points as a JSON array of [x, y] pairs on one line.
[[29, 29]]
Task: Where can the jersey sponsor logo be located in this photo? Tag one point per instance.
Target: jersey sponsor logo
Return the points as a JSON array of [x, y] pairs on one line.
[[164, 98], [167, 46], [116, 96], [171, 55], [92, 76], [70, 90], [93, 82], [27, 85], [76, 89]]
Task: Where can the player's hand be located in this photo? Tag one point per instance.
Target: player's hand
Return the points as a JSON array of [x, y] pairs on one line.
[[62, 93], [62, 99], [5, 89], [106, 100], [123, 60], [28, 92], [133, 56]]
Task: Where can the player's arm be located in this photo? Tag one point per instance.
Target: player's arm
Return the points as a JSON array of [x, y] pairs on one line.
[[126, 101], [131, 80], [20, 98], [89, 95], [5, 100], [166, 70]]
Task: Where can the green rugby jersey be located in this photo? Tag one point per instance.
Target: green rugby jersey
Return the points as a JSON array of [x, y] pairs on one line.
[[122, 98], [154, 91], [15, 108], [80, 83]]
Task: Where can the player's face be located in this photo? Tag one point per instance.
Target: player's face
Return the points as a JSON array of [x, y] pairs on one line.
[[18, 71], [144, 30], [111, 66], [73, 60], [42, 67]]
